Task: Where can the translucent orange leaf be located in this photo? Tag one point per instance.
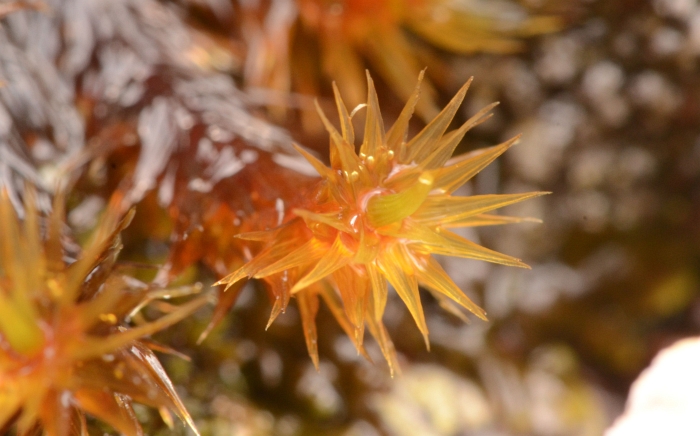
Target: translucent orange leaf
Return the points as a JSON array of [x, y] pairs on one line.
[[398, 268]]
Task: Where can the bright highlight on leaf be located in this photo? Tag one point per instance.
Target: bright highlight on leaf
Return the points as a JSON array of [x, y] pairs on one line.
[[378, 216], [66, 349]]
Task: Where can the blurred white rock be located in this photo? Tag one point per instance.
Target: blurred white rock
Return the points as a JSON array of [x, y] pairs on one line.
[[665, 399]]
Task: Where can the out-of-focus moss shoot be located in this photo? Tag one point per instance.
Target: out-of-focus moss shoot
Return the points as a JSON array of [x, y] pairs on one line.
[[354, 34], [66, 348]]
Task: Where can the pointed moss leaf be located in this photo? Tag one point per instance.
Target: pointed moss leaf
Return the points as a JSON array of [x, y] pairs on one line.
[[264, 259], [445, 209], [397, 133], [307, 253], [341, 150], [374, 125], [422, 144], [338, 256], [281, 292], [398, 267], [353, 289], [319, 166], [331, 219], [435, 278], [489, 220], [95, 252], [97, 346], [345, 118], [449, 142], [161, 379], [441, 241], [455, 245], [105, 406], [377, 329], [335, 136], [449, 178], [449, 306], [308, 308], [375, 303], [379, 290], [330, 297]]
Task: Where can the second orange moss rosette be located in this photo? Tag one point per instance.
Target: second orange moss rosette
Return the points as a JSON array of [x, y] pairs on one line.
[[296, 40], [67, 346], [377, 217]]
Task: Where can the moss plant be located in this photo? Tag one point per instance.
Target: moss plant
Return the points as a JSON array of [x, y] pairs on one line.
[[376, 217], [66, 346]]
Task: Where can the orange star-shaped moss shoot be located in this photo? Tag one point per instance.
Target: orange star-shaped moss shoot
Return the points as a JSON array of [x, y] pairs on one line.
[[65, 346], [377, 217]]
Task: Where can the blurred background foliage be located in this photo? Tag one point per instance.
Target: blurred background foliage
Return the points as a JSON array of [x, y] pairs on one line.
[[190, 107]]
